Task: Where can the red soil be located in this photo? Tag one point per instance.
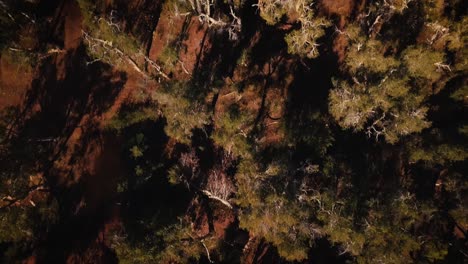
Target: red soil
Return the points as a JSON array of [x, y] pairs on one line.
[[132, 86], [222, 219], [257, 251], [166, 30], [15, 80], [338, 7], [73, 26], [170, 33], [199, 218], [343, 9], [250, 100], [340, 43], [193, 45]]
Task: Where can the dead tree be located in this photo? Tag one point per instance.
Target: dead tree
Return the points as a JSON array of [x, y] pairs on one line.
[[102, 48], [203, 9], [219, 186], [386, 10]]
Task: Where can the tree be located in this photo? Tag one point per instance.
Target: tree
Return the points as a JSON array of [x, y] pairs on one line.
[[208, 12], [232, 128], [14, 17], [425, 64], [27, 207], [182, 112], [283, 223], [268, 209], [219, 186], [175, 243], [385, 95], [303, 41], [107, 42], [387, 110]]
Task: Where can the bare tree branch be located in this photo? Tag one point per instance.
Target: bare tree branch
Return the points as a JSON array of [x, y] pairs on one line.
[[109, 48]]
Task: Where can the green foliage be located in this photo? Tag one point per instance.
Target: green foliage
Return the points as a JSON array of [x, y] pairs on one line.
[[282, 223], [435, 251], [313, 132], [385, 95], [456, 42], [460, 94], [244, 58], [21, 226], [369, 57], [15, 225], [422, 62], [22, 60], [460, 215], [6, 23], [336, 220], [303, 41], [27, 208], [127, 118], [174, 175], [232, 128], [136, 152], [106, 41], [280, 220], [388, 109], [349, 108], [391, 231], [183, 114], [463, 130], [176, 243], [316, 183], [15, 18], [273, 11], [169, 57], [399, 5], [129, 253], [388, 234], [457, 186], [181, 245], [440, 154], [7, 115]]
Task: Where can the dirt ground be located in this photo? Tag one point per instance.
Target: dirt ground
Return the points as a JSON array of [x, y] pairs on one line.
[[187, 36], [338, 7], [63, 97], [75, 102], [15, 79], [72, 26]]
